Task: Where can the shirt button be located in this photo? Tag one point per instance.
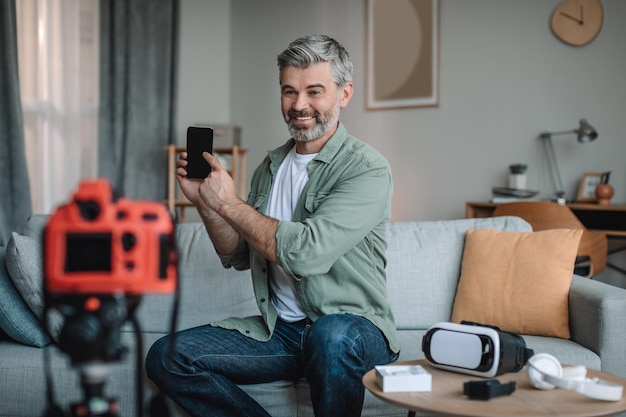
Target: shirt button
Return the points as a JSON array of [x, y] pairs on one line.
[[247, 331], [262, 300]]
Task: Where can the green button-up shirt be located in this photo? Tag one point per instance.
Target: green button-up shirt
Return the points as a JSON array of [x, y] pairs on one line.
[[335, 245]]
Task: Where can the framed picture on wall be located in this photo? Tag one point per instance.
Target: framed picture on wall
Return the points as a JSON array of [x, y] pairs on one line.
[[587, 187], [402, 53]]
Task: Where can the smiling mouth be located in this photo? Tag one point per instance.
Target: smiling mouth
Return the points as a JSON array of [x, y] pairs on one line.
[[302, 120]]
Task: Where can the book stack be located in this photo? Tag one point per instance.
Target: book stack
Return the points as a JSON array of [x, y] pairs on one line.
[[507, 195]]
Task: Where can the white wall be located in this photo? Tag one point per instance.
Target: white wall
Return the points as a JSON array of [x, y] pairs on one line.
[[203, 85], [504, 78]]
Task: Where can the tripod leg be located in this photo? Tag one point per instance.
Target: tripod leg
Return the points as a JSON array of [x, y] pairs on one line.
[[93, 378]]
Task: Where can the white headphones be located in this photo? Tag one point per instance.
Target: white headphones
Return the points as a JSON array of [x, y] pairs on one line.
[[545, 372]]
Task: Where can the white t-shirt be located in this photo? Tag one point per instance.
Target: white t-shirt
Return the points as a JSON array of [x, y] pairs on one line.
[[291, 178]]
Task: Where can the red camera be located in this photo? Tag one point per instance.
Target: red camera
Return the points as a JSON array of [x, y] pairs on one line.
[[97, 245]]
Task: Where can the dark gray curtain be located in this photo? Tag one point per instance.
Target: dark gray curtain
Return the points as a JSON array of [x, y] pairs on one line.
[[137, 93], [15, 204]]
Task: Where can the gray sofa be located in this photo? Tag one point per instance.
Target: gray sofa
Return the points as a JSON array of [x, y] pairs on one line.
[[423, 269]]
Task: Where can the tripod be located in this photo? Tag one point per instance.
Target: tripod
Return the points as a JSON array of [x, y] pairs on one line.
[[92, 341], [91, 338]]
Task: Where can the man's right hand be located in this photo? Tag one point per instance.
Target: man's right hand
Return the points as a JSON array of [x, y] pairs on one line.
[[223, 236], [190, 187]]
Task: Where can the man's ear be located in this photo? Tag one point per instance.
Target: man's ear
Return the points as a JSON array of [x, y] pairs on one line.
[[346, 94]]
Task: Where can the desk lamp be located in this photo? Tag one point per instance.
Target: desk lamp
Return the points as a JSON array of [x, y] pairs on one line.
[[584, 134]]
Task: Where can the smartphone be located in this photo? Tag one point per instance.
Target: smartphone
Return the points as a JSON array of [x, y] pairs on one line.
[[199, 140]]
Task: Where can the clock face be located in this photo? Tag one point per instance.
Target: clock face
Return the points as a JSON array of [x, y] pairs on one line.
[[577, 22]]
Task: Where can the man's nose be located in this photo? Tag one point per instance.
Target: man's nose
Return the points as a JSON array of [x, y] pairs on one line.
[[300, 103]]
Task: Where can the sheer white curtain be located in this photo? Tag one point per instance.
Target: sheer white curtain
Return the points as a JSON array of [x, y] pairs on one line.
[[58, 47]]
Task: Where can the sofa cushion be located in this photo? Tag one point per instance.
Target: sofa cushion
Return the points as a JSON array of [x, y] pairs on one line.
[[424, 265], [24, 264], [518, 281], [16, 319]]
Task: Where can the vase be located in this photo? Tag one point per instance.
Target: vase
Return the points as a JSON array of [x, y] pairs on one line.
[[517, 181], [604, 193]]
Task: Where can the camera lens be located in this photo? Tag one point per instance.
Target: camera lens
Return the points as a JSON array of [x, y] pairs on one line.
[[89, 209]]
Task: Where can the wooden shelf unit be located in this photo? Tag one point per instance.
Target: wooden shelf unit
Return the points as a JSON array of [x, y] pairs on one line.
[[176, 201]]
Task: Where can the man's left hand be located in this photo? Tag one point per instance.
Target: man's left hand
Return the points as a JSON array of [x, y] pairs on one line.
[[218, 188]]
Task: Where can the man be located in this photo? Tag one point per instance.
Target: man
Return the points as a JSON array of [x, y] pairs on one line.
[[313, 235]]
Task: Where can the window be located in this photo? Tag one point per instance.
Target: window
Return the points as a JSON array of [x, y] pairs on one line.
[[58, 50]]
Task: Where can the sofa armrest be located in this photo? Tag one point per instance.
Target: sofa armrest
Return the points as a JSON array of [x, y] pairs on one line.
[[597, 313]]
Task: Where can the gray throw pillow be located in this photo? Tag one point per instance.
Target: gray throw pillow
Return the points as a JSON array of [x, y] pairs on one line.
[[16, 319], [24, 263]]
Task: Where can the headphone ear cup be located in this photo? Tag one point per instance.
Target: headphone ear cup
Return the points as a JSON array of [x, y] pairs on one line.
[[540, 364]]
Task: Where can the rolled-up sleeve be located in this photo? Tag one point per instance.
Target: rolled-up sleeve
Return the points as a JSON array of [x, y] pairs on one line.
[[239, 258]]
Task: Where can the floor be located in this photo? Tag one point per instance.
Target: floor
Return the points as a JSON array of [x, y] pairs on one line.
[[612, 278]]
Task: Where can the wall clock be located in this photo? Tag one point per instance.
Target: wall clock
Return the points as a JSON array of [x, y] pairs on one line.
[[577, 22]]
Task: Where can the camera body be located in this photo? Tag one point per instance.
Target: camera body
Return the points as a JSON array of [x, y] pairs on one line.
[[97, 245], [100, 254]]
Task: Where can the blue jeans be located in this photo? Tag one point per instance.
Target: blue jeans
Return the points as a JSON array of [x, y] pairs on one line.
[[333, 354]]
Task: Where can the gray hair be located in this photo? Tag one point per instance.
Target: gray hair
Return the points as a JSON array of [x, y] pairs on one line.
[[314, 49]]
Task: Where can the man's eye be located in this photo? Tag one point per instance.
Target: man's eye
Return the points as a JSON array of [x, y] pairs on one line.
[[288, 93], [315, 92]]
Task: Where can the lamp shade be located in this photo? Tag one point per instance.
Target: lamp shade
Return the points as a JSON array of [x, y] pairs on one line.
[[586, 133]]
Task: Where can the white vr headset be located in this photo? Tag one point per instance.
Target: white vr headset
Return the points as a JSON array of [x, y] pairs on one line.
[[474, 349], [545, 372]]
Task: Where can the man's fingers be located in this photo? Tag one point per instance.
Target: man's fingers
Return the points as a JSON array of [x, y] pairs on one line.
[[212, 160]]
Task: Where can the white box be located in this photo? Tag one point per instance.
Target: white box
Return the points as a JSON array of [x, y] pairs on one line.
[[403, 378]]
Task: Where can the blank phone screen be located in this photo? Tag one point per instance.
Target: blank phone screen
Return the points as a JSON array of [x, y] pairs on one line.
[[199, 140]]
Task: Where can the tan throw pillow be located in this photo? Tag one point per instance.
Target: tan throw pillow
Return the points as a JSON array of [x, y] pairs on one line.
[[517, 281]]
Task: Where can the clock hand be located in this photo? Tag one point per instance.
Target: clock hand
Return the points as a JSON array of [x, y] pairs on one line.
[[572, 17], [582, 16]]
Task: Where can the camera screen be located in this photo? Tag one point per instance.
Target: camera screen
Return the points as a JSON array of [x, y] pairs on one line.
[[88, 252]]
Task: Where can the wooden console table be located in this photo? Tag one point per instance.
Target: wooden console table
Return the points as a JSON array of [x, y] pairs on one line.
[[610, 219]]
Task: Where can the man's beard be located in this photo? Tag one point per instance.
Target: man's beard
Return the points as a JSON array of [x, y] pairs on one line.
[[323, 124]]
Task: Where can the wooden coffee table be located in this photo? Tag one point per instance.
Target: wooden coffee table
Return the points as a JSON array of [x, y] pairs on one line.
[[446, 397]]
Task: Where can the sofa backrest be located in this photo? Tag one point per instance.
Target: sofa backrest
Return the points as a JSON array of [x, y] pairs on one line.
[[424, 266], [423, 269]]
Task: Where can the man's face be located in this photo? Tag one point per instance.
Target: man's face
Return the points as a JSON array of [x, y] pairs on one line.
[[311, 100]]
